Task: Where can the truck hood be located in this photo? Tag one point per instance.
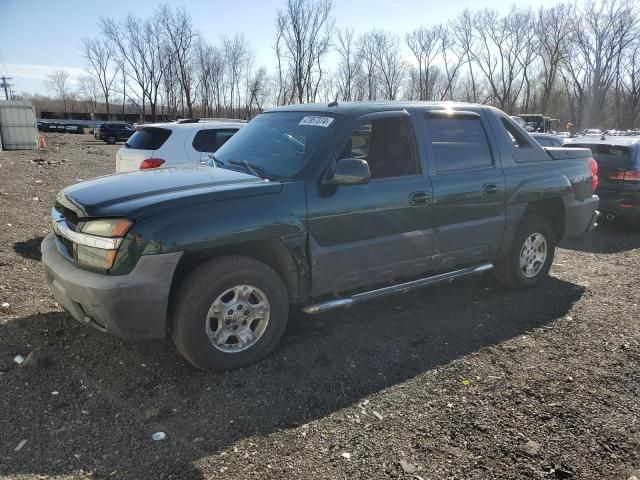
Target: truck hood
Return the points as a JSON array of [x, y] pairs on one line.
[[144, 192]]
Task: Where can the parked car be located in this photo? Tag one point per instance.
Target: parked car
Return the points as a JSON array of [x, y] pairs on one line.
[[619, 176], [318, 207], [168, 144], [592, 132], [113, 132], [548, 140]]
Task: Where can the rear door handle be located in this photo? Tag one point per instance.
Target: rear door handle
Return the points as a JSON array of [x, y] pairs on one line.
[[491, 189], [419, 198]]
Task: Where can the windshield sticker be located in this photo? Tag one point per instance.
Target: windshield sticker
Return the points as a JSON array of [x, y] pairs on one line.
[[316, 121]]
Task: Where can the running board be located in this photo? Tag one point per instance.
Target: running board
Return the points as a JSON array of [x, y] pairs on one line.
[[401, 287]]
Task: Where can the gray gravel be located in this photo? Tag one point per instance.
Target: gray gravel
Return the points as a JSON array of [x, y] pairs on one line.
[[466, 380]]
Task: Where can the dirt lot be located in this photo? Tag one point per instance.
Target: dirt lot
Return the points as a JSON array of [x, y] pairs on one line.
[[457, 381]]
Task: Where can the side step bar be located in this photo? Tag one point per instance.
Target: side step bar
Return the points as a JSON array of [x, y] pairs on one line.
[[401, 287]]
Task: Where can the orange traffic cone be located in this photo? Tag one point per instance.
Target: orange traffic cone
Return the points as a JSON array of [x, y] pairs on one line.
[[41, 143]]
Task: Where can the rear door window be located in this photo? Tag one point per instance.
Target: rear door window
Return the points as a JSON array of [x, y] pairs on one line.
[[223, 135], [149, 138], [212, 139], [459, 144]]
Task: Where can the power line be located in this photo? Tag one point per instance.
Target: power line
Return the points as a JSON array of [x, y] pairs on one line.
[[4, 83]]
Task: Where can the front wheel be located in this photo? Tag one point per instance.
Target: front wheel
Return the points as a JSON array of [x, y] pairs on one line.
[[229, 312], [111, 140], [530, 257]]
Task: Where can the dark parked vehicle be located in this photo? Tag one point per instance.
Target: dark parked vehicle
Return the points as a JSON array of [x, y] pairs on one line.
[[548, 140], [113, 132], [318, 207], [619, 174]]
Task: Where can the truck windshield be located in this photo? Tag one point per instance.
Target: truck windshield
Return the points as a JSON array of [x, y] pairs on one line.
[[278, 144]]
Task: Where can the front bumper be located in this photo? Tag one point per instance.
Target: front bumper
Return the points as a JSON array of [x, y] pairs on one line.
[[129, 306]]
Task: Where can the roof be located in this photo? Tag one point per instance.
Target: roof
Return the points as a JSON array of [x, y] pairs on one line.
[[546, 135], [362, 108], [192, 125], [608, 140]]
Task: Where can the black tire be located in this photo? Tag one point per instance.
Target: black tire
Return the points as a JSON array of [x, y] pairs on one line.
[[508, 270], [202, 287], [111, 140]]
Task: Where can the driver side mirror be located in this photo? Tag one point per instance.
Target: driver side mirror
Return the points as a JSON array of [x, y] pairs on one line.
[[349, 171]]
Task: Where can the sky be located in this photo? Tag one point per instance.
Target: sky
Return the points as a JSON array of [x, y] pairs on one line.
[[38, 36]]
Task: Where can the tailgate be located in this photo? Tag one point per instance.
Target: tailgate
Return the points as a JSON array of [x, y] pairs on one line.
[[129, 159], [613, 161]]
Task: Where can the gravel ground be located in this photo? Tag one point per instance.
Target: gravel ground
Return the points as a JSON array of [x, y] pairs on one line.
[[455, 381]]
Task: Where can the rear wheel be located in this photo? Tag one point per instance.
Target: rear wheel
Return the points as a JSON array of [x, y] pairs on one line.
[[111, 140], [530, 257], [229, 312]]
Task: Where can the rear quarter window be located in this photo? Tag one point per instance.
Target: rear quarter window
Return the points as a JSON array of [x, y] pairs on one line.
[[149, 138]]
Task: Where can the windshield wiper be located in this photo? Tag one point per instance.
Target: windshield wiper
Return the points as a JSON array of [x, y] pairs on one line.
[[218, 163], [251, 167]]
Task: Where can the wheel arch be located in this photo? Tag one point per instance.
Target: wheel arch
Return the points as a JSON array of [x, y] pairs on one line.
[[275, 253], [551, 209]]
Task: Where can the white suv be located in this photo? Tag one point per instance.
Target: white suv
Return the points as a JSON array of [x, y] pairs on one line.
[[167, 144]]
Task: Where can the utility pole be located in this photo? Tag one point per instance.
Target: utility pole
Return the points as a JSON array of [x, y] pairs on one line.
[[4, 83]]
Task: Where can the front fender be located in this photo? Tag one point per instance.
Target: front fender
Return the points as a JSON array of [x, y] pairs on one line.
[[212, 225]]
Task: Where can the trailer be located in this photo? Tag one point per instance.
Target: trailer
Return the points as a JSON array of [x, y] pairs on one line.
[[18, 130]]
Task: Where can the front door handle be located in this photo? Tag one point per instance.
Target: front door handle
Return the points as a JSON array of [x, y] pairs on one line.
[[491, 189], [419, 198]]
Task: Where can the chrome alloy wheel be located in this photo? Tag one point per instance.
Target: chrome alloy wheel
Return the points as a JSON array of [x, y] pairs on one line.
[[533, 255], [237, 318]]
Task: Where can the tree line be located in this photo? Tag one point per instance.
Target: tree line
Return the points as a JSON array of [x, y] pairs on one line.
[[576, 62]]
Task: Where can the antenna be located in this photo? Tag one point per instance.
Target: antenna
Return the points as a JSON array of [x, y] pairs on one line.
[[334, 103]]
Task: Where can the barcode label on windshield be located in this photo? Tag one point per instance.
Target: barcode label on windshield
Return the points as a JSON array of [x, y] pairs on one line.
[[316, 121]]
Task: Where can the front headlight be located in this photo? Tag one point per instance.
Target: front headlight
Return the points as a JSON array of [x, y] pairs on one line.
[[107, 227], [95, 257], [90, 253]]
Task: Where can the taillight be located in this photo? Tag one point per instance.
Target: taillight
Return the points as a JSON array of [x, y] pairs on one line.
[[151, 163], [593, 165], [626, 175]]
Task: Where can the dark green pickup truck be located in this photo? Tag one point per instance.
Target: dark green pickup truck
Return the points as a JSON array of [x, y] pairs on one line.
[[318, 207]]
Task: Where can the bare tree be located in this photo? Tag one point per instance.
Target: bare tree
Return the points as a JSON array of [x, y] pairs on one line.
[[350, 65], [257, 92], [236, 58], [465, 43], [58, 83], [628, 88], [391, 66], [600, 33], [368, 53], [424, 44], [552, 29], [89, 91], [499, 54], [452, 62], [303, 32], [101, 64], [140, 48], [180, 36]]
